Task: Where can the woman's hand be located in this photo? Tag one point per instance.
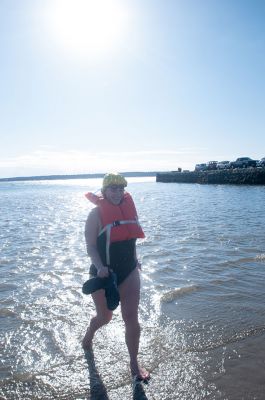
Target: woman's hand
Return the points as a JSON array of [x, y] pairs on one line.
[[103, 272]]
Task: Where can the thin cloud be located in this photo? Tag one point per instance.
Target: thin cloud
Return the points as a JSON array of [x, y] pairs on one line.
[[47, 161], [156, 152]]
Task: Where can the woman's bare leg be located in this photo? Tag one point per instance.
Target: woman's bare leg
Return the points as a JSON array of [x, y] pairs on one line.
[[102, 317], [129, 298]]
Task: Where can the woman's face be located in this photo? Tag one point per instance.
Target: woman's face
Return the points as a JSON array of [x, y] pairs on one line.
[[114, 194]]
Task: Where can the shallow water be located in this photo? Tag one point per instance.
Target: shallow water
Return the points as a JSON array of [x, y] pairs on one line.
[[202, 306]]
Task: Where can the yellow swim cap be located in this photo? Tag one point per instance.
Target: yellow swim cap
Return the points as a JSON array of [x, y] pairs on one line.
[[113, 179]]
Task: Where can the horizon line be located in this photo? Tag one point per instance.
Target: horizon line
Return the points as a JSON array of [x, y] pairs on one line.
[[76, 176]]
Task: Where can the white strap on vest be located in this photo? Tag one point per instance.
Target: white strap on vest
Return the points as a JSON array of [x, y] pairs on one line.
[[108, 228]]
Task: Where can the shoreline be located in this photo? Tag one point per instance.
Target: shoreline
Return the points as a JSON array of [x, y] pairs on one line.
[[73, 176]]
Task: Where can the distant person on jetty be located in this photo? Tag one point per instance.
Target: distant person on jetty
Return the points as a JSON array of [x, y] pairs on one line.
[[111, 231]]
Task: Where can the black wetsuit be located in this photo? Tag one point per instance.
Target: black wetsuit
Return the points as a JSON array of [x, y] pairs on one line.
[[122, 257]]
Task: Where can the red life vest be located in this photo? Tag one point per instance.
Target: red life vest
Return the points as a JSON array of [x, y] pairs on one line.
[[120, 221]]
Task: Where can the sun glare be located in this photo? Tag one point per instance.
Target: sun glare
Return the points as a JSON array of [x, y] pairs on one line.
[[88, 28]]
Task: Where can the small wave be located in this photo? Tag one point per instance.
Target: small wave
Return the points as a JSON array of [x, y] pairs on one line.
[[6, 312], [246, 334], [5, 287], [259, 257], [168, 297], [244, 260], [236, 338]]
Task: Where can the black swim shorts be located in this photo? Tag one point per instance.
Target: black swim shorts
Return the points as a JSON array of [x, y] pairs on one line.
[[122, 257]]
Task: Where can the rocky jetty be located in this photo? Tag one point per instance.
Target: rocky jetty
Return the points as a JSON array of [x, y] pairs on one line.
[[238, 176]]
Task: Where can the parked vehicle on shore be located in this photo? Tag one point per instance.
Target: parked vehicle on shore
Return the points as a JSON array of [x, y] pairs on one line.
[[243, 162], [223, 165], [261, 162], [211, 165], [200, 167]]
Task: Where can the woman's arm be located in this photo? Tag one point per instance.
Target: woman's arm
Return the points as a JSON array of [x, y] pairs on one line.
[[91, 234]]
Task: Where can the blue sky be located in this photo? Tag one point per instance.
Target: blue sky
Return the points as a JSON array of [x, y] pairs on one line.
[[131, 85]]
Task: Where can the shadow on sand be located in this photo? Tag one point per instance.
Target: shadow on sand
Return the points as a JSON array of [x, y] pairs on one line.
[[97, 388], [138, 392]]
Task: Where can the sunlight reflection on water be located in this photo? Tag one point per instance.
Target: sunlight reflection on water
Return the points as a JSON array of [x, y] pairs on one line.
[[202, 293]]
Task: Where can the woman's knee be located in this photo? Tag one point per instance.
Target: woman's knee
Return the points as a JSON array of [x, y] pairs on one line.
[[103, 314], [105, 317], [132, 326], [130, 315]]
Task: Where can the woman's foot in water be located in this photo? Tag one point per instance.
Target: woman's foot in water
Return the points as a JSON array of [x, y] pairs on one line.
[[139, 373]]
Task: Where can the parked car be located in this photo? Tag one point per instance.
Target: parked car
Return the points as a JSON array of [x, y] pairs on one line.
[[243, 162], [200, 167], [223, 165], [211, 165], [261, 162]]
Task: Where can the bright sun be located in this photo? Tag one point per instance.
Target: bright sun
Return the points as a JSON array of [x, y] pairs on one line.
[[88, 28]]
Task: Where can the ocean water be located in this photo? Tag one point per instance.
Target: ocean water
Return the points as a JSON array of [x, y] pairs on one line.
[[202, 306]]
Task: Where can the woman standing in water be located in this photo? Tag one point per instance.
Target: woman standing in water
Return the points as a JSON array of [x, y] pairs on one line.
[[111, 231]]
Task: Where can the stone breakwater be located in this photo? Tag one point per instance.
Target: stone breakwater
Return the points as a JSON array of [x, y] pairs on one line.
[[246, 176]]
